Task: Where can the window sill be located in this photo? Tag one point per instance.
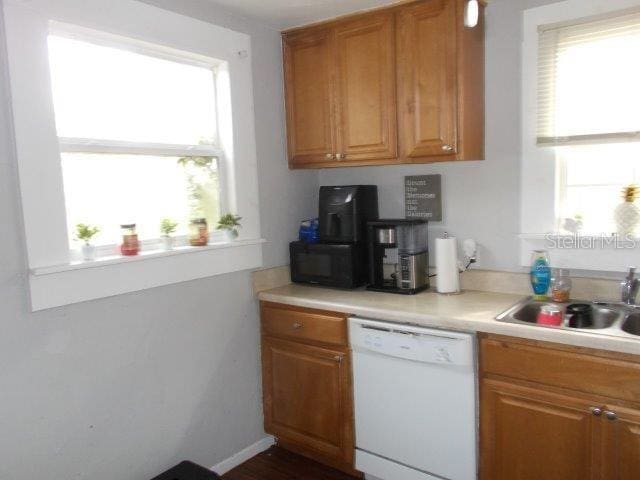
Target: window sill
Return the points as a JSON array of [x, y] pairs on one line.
[[76, 282], [142, 256]]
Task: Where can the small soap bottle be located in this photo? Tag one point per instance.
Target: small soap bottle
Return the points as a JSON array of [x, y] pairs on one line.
[[540, 274]]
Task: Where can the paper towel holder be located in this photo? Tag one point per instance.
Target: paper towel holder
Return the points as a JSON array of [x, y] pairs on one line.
[[447, 269]]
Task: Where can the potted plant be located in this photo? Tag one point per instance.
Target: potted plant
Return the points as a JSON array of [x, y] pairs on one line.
[[85, 233], [167, 227], [229, 225]]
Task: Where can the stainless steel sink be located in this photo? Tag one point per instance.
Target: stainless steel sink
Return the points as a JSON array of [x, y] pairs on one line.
[[631, 324], [615, 319]]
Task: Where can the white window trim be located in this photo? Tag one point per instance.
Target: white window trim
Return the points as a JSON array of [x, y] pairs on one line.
[[54, 278], [539, 176], [89, 145]]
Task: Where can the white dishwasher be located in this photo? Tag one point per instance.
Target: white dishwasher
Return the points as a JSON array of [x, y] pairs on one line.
[[415, 401]]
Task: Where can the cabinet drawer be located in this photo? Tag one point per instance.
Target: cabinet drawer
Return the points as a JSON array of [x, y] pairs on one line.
[[584, 370], [304, 324]]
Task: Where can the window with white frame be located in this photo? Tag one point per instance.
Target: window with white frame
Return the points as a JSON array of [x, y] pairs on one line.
[[128, 114], [138, 136], [588, 99]]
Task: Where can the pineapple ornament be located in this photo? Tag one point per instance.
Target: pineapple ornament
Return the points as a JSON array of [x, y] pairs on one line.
[[627, 214]]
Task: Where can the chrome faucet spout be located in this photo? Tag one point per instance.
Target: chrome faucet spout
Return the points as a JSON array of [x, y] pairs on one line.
[[630, 287]]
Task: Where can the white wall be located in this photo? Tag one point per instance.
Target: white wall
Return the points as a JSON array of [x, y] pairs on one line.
[[123, 388], [480, 199]]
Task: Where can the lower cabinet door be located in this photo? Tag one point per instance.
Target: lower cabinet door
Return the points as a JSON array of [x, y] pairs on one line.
[[620, 458], [307, 398], [532, 434]]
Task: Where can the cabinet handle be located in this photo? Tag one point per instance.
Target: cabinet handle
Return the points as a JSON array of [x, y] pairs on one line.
[[611, 415], [297, 325], [338, 358], [447, 148], [597, 411]]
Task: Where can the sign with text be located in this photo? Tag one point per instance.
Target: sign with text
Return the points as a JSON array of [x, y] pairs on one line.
[[423, 197]]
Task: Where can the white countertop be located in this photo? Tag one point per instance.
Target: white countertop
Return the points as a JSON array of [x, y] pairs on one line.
[[471, 311]]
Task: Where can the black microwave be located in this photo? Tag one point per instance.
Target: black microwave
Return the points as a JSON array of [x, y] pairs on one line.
[[331, 265]]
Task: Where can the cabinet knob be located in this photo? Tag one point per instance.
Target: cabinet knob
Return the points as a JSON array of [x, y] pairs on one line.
[[447, 148], [297, 325], [597, 411], [338, 358], [611, 415], [329, 156], [341, 156]]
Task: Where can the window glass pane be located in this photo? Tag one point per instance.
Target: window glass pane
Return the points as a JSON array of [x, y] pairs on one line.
[[587, 82], [109, 93], [110, 190], [594, 176], [612, 164], [598, 87], [595, 205]]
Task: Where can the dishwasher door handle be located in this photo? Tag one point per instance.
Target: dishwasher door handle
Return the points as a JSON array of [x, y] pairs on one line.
[[406, 332]]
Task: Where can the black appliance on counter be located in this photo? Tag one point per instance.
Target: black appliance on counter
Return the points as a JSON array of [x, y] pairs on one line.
[[340, 259], [398, 256], [345, 211]]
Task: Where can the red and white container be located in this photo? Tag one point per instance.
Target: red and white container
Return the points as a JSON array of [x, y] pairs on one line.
[[550, 315]]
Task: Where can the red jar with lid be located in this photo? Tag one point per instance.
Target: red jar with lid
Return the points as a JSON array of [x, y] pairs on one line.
[[130, 245], [198, 232], [550, 315]]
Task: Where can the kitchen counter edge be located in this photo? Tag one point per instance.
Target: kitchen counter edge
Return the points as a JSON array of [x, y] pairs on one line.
[[429, 309]]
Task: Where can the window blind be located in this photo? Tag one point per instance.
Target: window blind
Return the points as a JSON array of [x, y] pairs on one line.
[[589, 81]]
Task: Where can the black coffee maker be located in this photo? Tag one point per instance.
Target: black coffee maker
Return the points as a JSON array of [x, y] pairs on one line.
[[344, 212], [340, 259]]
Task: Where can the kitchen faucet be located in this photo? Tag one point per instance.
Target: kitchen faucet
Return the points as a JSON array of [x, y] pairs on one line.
[[630, 286]]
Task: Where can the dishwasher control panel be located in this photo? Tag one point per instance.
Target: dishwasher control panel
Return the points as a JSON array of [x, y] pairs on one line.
[[411, 343]]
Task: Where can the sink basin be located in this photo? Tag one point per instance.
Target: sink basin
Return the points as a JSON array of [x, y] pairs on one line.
[[615, 319], [603, 316], [631, 324]]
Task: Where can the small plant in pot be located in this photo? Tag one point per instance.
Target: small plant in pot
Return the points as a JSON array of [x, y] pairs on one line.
[[85, 233], [229, 225], [167, 227]]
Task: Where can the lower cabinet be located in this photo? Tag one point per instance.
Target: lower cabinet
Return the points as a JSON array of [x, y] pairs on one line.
[[530, 434], [532, 427], [307, 390], [620, 453]]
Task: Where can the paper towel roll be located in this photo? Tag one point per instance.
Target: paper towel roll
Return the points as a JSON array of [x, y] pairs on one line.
[[448, 276]]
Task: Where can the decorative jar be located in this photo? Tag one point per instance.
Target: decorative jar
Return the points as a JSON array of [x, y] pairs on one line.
[[198, 232], [130, 245]]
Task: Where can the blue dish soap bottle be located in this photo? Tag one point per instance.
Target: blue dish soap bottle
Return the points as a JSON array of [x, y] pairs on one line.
[[540, 274]]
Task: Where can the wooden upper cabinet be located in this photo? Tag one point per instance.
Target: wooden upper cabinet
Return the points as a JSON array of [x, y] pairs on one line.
[[402, 84], [427, 79], [366, 88], [308, 70]]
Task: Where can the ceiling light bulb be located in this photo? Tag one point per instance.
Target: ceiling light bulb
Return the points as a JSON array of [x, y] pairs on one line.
[[471, 14]]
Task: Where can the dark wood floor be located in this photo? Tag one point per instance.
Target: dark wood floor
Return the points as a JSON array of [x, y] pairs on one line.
[[279, 464]]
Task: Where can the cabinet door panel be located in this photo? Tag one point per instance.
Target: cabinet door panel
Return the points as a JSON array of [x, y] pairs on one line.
[[621, 445], [308, 67], [531, 434], [366, 90], [427, 79], [307, 397]]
